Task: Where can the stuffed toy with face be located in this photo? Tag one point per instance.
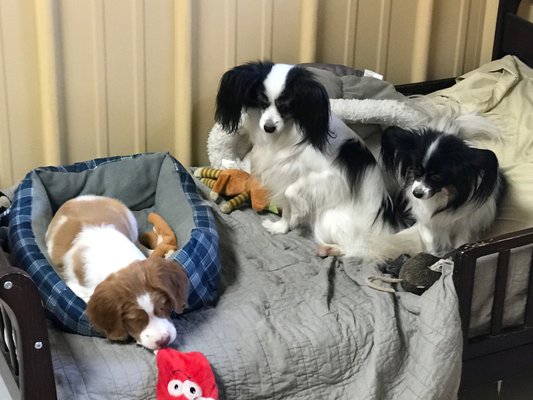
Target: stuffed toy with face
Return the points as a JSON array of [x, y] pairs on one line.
[[184, 376]]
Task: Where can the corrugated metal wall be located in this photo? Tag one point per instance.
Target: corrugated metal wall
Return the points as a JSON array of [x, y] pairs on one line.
[[84, 79]]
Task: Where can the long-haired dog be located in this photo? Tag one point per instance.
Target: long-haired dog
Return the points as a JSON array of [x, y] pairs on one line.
[[91, 241], [452, 189], [317, 170]]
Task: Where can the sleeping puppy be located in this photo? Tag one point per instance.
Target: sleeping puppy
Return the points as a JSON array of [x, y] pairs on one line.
[[92, 242]]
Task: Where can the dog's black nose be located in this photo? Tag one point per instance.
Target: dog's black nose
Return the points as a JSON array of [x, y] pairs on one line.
[[269, 128], [418, 193], [165, 340]]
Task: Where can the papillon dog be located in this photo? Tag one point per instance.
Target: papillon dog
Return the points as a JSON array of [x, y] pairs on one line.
[[453, 189], [318, 171]]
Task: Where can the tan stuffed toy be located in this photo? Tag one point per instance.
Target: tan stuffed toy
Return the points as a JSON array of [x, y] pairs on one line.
[[161, 239], [234, 183]]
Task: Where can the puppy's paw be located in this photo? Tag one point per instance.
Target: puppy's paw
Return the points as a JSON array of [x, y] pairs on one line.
[[276, 228]]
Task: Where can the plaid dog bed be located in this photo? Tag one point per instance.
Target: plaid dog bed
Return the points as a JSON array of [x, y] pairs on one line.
[[144, 182]]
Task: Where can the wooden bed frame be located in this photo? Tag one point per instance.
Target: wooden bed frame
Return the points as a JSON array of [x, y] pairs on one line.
[[26, 363], [503, 352]]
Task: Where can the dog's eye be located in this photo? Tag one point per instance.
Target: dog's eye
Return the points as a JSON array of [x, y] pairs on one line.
[[262, 101], [133, 316], [283, 105], [163, 308], [436, 177], [417, 171]]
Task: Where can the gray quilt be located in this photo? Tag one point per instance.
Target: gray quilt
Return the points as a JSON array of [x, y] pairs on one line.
[[288, 325]]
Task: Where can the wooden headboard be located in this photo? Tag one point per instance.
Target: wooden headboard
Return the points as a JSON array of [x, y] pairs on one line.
[[513, 34]]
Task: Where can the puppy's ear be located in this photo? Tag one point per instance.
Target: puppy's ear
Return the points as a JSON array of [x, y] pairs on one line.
[[484, 164], [309, 105], [239, 89], [105, 310], [170, 278], [397, 148]]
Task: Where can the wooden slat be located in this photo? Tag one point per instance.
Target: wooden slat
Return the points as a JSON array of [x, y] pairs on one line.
[[508, 339], [528, 317], [500, 286], [425, 87], [463, 276], [497, 243]]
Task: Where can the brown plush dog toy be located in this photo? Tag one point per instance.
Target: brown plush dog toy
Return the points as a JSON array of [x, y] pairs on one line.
[[234, 183], [161, 239]]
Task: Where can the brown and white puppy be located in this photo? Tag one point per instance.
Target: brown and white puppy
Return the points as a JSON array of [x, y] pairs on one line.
[[92, 242]]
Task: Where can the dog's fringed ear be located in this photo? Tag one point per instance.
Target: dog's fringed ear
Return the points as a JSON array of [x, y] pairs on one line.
[[239, 89], [170, 278], [105, 312], [397, 147], [309, 105], [485, 167]]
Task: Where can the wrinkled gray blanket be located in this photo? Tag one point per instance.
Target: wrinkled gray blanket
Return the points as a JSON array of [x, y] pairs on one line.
[[288, 325]]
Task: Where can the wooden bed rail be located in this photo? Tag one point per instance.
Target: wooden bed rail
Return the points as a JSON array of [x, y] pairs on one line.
[[464, 273], [24, 336], [478, 355]]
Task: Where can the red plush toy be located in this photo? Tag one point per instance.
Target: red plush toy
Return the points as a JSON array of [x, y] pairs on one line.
[[184, 376]]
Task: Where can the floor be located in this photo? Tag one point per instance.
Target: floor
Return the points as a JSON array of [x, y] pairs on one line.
[[518, 388]]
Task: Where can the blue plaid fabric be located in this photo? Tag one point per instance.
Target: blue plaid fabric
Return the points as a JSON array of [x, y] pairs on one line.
[[199, 256]]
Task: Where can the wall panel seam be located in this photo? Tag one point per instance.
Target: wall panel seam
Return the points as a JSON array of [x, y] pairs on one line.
[[139, 66], [230, 52], [100, 79], [350, 31], [383, 36], [6, 174], [422, 39], [308, 30], [267, 26], [183, 86], [460, 44], [48, 81]]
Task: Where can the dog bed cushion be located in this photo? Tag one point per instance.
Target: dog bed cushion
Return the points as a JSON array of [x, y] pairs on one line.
[[144, 182]]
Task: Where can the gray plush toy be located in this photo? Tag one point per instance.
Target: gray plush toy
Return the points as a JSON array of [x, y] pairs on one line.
[[415, 274]]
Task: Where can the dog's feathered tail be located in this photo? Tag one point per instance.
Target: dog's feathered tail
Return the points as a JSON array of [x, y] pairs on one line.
[[468, 126]]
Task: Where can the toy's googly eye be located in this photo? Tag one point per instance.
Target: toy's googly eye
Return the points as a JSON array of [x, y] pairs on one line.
[[191, 390], [175, 388]]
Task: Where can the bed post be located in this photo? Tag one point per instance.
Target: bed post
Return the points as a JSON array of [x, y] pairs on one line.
[[26, 345]]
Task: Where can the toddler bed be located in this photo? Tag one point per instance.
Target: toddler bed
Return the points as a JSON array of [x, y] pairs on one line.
[[288, 324]]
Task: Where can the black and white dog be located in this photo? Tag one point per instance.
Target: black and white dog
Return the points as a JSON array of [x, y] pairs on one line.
[[318, 170], [453, 189]]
